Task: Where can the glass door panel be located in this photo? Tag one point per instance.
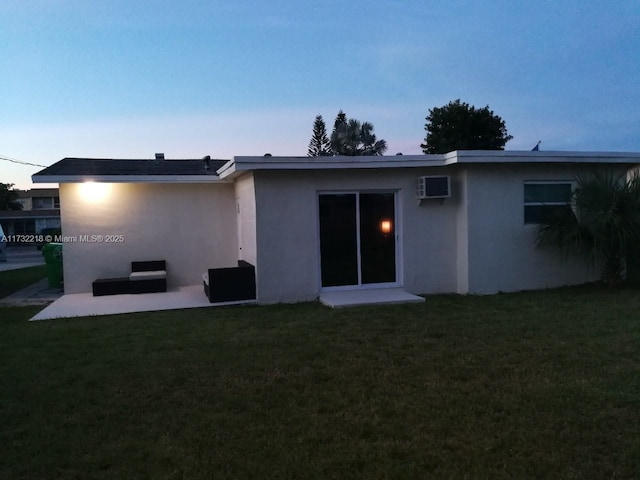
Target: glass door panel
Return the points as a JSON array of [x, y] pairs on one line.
[[377, 238], [338, 239]]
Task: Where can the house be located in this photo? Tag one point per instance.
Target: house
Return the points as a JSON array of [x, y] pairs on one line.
[[40, 210], [461, 222]]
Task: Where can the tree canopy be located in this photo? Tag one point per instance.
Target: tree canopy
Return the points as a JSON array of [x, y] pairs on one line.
[[460, 126], [351, 137], [9, 197]]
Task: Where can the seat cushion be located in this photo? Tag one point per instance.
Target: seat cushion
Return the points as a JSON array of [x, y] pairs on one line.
[[152, 275]]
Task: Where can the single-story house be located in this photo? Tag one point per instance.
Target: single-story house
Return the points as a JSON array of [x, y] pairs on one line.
[[462, 222]]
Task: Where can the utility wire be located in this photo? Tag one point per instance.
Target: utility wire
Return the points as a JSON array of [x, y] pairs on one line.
[[13, 160]]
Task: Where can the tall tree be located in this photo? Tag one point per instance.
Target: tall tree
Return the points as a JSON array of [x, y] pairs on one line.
[[459, 126], [603, 224], [9, 197], [319, 144], [350, 137], [341, 119]]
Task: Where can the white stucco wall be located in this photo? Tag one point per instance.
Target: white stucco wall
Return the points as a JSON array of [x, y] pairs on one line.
[[502, 255], [191, 226], [246, 211], [474, 242], [459, 192], [288, 236]]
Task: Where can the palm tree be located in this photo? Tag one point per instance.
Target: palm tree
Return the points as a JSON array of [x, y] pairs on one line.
[[603, 225], [352, 138]]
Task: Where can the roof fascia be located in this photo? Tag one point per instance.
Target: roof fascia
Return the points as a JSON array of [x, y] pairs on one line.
[[243, 164], [515, 156], [128, 179]]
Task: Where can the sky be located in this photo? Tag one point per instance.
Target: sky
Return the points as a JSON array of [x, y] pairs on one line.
[[127, 79]]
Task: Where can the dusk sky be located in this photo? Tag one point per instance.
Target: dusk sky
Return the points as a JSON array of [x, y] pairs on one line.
[[126, 79]]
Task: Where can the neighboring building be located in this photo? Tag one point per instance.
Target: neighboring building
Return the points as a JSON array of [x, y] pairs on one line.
[[463, 222], [40, 210]]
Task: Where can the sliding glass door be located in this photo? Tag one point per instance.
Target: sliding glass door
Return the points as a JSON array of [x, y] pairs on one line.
[[357, 238]]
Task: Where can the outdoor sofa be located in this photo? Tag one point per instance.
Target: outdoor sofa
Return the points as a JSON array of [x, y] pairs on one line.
[[145, 277]]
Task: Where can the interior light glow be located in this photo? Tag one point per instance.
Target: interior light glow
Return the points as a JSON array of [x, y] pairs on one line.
[[386, 226]]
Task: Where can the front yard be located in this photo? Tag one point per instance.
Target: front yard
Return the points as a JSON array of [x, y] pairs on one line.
[[528, 385]]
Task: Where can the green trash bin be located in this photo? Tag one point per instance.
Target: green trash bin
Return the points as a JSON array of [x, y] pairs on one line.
[[52, 253]]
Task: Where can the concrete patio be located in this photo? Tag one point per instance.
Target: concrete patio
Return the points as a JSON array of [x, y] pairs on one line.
[[85, 304], [378, 296]]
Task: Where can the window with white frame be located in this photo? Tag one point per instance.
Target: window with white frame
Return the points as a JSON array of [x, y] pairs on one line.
[[543, 200]]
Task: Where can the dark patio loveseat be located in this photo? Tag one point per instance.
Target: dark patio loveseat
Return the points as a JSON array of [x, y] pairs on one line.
[[231, 284], [145, 277]]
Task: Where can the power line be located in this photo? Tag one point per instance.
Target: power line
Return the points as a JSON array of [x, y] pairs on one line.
[[13, 160]]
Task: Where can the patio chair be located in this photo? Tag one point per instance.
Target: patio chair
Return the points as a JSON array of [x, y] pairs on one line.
[[232, 284]]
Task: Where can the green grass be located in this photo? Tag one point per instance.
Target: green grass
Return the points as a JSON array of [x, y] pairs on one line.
[[528, 385], [13, 280]]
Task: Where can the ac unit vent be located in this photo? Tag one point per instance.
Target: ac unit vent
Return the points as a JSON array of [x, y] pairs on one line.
[[433, 187]]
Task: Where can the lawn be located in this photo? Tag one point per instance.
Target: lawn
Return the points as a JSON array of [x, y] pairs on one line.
[[13, 280], [528, 385]]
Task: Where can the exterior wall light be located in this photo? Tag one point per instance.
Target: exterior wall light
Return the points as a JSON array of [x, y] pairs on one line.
[[94, 192]]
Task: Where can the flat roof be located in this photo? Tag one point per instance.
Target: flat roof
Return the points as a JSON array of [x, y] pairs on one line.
[[20, 214], [244, 164], [38, 193]]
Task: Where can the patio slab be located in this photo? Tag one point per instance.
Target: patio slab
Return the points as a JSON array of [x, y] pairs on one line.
[[378, 296], [85, 304]]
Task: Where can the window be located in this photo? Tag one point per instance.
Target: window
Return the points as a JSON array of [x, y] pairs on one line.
[[42, 203], [543, 200], [24, 227]]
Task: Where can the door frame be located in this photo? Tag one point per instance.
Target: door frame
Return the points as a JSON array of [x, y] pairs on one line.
[[398, 240]]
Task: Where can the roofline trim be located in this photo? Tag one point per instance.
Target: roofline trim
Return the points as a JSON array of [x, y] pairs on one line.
[[242, 164], [127, 179], [516, 156]]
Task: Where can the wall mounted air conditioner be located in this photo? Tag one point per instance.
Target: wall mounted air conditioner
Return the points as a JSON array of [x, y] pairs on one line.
[[433, 187]]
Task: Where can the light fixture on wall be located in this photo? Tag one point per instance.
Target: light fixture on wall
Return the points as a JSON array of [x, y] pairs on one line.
[[94, 192], [386, 226]]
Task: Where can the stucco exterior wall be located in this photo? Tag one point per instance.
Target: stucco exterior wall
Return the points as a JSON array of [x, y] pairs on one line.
[[474, 242], [502, 255], [459, 191], [246, 211], [191, 226], [288, 230]]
